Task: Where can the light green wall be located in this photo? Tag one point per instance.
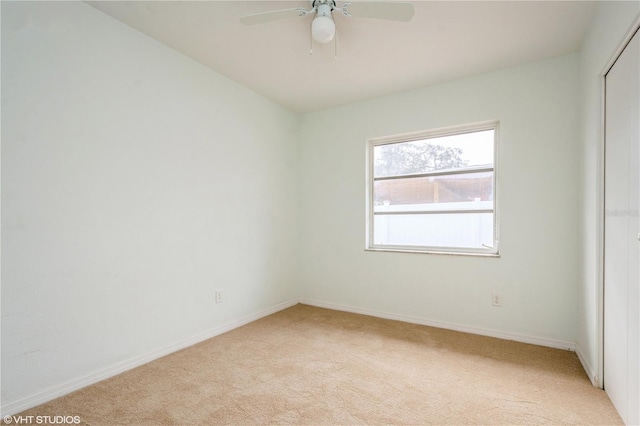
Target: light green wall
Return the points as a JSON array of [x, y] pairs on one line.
[[537, 181], [135, 182]]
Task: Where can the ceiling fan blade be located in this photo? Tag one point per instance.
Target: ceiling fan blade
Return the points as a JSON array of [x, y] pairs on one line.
[[274, 15], [379, 10]]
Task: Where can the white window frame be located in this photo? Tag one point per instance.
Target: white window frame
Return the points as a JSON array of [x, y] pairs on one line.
[[434, 133]]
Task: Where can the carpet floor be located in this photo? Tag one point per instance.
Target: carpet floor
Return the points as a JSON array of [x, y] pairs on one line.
[[312, 366]]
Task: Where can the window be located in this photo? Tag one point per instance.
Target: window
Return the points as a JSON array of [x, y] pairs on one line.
[[434, 191]]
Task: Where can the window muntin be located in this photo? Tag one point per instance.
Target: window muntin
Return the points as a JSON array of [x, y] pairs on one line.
[[434, 192]]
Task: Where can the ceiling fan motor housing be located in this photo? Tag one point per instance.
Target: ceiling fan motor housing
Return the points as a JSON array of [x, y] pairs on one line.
[[317, 3]]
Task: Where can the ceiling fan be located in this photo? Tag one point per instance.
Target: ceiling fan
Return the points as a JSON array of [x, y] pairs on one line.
[[323, 28]]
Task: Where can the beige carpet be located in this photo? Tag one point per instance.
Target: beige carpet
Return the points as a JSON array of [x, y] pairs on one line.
[[314, 366]]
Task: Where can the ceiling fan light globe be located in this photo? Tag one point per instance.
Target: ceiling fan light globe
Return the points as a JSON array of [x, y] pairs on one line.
[[323, 29]]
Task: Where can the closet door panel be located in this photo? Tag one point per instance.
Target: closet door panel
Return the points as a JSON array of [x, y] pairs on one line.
[[621, 245]]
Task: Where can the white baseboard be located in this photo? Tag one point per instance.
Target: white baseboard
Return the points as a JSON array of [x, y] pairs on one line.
[[56, 391], [591, 372], [540, 341]]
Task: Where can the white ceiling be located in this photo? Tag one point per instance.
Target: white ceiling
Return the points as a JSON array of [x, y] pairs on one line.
[[445, 40]]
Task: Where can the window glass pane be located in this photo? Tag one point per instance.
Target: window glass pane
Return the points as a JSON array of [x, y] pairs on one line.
[[465, 230], [469, 191], [433, 154]]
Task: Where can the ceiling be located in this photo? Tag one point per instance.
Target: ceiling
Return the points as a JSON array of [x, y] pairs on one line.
[[445, 40]]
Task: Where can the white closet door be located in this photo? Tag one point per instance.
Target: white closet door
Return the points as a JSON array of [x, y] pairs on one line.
[[621, 239]]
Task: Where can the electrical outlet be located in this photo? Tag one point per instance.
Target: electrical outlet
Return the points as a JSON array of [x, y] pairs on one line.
[[496, 299], [218, 296]]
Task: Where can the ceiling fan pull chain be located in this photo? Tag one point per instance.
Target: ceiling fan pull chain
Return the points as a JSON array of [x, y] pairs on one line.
[[310, 41], [335, 47]]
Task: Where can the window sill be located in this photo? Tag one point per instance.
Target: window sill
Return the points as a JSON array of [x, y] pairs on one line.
[[417, 251]]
